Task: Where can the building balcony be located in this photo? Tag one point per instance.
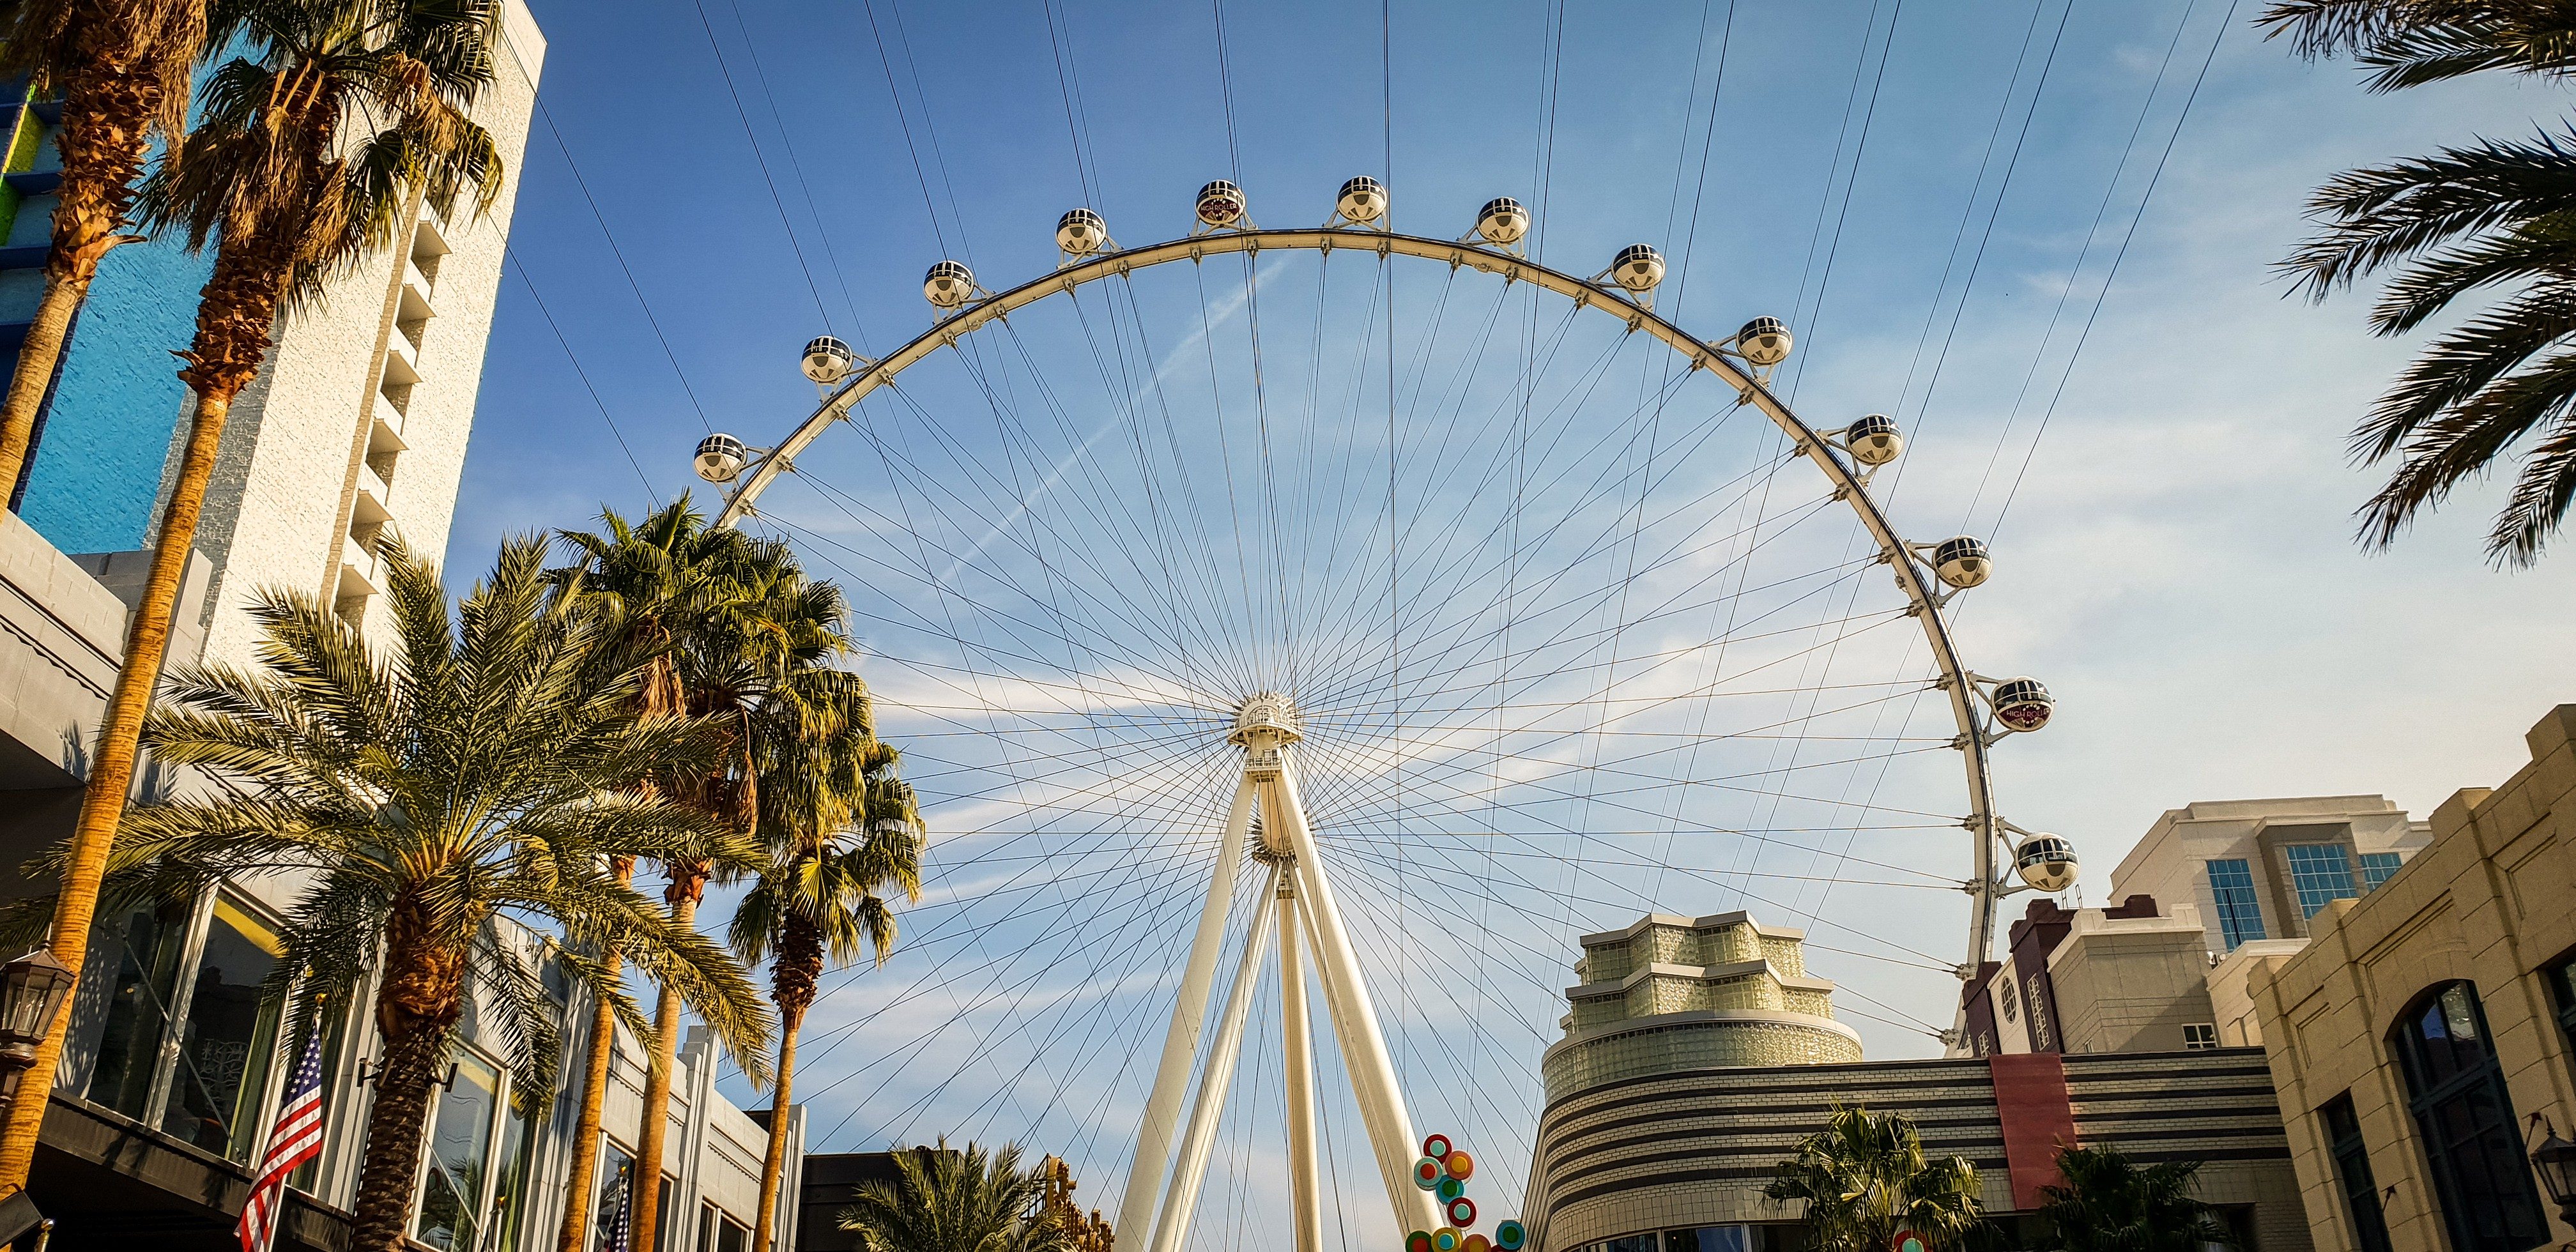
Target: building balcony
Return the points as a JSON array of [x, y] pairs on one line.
[[402, 360], [362, 572], [416, 291], [387, 435], [375, 498]]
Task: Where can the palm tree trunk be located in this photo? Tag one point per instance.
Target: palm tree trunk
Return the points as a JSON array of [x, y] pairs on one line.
[[580, 1187], [108, 107], [422, 997], [233, 317], [688, 886], [773, 1166]]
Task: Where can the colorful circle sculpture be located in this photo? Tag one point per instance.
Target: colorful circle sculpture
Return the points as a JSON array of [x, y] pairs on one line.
[[1908, 1241], [1444, 1170]]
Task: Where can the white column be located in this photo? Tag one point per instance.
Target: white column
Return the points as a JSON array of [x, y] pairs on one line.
[[1305, 1204], [1189, 1014], [1182, 1197], [1381, 1099]]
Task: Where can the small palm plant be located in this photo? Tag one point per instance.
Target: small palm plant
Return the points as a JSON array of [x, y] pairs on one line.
[[465, 773], [2493, 217], [844, 830], [2112, 1204], [1865, 1177], [944, 1201]]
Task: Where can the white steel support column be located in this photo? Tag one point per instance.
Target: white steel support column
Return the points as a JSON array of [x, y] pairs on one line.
[[1189, 1015], [1304, 1202], [1381, 1099], [1181, 1198]]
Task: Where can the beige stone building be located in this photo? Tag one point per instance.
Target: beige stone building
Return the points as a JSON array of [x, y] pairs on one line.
[[1699, 1051], [2259, 869], [2425, 1026]]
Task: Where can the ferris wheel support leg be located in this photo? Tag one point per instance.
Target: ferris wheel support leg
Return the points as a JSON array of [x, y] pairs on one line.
[[1180, 1200], [1381, 1098], [1189, 1015], [1305, 1203]]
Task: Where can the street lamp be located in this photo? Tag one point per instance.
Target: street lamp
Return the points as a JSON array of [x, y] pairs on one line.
[[31, 990], [2555, 1161]]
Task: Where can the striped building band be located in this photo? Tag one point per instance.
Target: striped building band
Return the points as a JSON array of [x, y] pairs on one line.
[[295, 1139]]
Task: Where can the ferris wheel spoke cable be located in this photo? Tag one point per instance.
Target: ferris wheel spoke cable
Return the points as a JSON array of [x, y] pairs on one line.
[[1175, 887]]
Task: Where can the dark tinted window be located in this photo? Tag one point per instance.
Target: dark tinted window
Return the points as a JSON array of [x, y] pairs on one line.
[[2352, 1172], [2466, 1121]]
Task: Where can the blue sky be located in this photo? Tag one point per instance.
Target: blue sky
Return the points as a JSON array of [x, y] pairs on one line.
[[2170, 506]]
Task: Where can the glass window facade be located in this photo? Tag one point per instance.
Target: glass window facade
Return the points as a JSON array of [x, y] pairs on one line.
[[616, 1164], [2240, 913], [2352, 1173], [145, 946], [2377, 866], [2320, 874], [459, 1156], [229, 1039], [723, 1234], [2200, 1036], [2465, 1118]]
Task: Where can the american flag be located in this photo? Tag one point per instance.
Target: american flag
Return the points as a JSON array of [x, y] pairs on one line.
[[621, 1227], [295, 1139]]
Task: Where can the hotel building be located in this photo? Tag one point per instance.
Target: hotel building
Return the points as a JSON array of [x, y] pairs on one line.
[[354, 430]]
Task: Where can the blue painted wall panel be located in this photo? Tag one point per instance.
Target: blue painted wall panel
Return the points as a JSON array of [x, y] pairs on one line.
[[107, 433]]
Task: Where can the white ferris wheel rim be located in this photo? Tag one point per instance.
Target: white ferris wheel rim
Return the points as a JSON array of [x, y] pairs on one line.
[[1926, 601]]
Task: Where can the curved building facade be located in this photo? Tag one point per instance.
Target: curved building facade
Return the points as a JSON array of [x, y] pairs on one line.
[[1681, 993]]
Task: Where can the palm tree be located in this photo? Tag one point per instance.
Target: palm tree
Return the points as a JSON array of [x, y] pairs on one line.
[[464, 773], [943, 1201], [745, 640], [2111, 1204], [2492, 216], [1865, 1177], [122, 68], [819, 899], [289, 199]]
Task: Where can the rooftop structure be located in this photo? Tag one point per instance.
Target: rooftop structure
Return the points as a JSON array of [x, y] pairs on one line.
[[1687, 993]]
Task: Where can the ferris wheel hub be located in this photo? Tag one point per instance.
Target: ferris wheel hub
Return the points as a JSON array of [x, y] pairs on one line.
[[1265, 719]]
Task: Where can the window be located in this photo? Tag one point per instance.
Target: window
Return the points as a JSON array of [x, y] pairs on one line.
[[2376, 867], [145, 947], [2240, 916], [1713, 1239], [2009, 999], [2200, 1036], [229, 1037], [2352, 1171], [2465, 1118], [2562, 992], [510, 1195], [2320, 874], [615, 1165], [459, 1155], [2039, 1040], [723, 1234]]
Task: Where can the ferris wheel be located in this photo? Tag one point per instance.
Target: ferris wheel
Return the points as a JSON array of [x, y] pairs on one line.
[[1393, 602]]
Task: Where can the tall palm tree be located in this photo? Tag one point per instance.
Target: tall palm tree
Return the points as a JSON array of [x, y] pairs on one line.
[[747, 641], [944, 1201], [273, 178], [2494, 216], [122, 68], [466, 772], [843, 828], [2111, 1204], [1865, 1177]]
